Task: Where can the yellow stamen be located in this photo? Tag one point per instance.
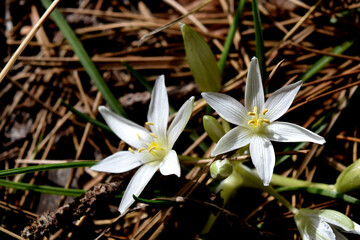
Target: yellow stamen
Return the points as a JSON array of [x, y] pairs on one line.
[[149, 123], [264, 111], [266, 121], [131, 150], [251, 122], [251, 113], [151, 148], [141, 149], [255, 109], [153, 135]]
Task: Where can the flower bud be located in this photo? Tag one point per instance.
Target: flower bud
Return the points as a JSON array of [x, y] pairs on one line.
[[221, 169], [349, 179], [213, 128], [324, 224]]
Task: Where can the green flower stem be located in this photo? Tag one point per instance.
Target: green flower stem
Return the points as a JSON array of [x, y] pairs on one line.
[[228, 188], [282, 181], [280, 198], [250, 179]]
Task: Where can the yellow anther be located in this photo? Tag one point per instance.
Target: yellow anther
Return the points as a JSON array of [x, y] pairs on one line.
[[251, 122], [149, 123], [131, 150], [255, 109], [141, 149], [151, 148], [266, 121], [153, 135], [264, 111], [251, 113]]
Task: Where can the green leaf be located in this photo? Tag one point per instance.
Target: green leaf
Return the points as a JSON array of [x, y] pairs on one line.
[[201, 61], [45, 167], [84, 59], [42, 189]]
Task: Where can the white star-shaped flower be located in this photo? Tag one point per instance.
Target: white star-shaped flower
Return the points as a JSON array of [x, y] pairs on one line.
[[152, 149], [324, 224], [256, 122]]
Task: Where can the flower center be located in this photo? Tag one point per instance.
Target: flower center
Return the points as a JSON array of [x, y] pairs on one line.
[[257, 120], [155, 148]]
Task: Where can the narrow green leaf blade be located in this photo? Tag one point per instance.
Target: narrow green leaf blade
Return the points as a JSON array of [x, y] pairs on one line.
[[86, 117], [84, 59], [325, 60], [45, 167], [138, 76], [230, 36], [42, 189]]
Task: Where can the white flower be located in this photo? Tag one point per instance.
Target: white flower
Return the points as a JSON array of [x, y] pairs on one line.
[[324, 224], [256, 122], [152, 150]]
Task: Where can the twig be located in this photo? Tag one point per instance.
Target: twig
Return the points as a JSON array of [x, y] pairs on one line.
[[27, 39]]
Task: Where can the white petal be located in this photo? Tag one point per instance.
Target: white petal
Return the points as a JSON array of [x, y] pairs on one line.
[[356, 228], [254, 93], [234, 139], [312, 227], [170, 164], [125, 129], [137, 185], [289, 132], [180, 121], [338, 235], [118, 162], [320, 230], [279, 102], [263, 157], [159, 108], [227, 107]]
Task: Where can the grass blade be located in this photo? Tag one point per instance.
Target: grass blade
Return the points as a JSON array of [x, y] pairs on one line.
[[230, 36], [85, 60], [138, 76], [322, 62], [42, 189], [86, 117], [45, 167]]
